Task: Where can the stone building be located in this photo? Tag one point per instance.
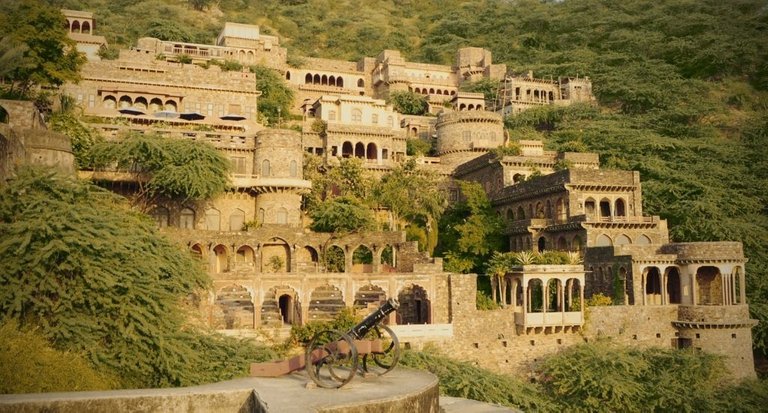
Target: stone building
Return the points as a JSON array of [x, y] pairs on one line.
[[25, 139], [270, 272]]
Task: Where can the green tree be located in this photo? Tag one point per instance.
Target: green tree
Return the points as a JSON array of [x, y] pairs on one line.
[[342, 215], [409, 103], [95, 278], [49, 57], [417, 147], [276, 97], [166, 168], [164, 29], [413, 194], [81, 136], [470, 230]]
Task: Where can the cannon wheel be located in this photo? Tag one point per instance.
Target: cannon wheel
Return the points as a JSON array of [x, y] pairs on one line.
[[384, 361], [331, 359]]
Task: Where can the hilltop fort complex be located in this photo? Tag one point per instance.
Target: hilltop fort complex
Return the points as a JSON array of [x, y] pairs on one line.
[[272, 276]]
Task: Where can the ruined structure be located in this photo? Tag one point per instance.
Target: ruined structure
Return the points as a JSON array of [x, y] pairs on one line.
[[270, 272]]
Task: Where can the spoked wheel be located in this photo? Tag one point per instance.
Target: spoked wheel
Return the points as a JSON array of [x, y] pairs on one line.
[[382, 361], [331, 359]]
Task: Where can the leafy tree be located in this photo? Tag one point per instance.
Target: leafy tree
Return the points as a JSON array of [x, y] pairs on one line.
[[166, 167], [276, 97], [200, 5], [95, 278], [37, 34], [470, 230], [164, 29], [412, 194], [340, 215], [488, 87], [408, 103], [81, 136], [417, 147], [350, 178]]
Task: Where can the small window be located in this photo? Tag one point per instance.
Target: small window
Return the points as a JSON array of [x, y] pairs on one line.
[[331, 115], [293, 169], [357, 115], [375, 118], [265, 169]]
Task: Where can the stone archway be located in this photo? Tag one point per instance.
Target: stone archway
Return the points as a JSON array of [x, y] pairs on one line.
[[326, 302], [275, 256], [414, 305]]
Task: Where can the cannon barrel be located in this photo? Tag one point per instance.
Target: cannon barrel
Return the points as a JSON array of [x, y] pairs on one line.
[[359, 331]]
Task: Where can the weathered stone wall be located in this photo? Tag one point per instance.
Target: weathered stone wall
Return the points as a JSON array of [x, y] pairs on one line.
[[466, 131]]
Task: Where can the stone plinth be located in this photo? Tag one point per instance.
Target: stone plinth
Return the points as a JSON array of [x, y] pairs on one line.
[[401, 390]]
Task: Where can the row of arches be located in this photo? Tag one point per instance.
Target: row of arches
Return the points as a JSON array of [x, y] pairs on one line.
[[432, 91], [139, 102], [235, 307], [187, 219], [324, 80], [276, 255], [665, 285], [463, 107], [363, 151], [535, 95], [606, 209], [605, 240], [77, 26], [539, 210]]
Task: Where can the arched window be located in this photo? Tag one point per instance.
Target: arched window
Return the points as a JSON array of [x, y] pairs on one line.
[[262, 215], [76, 26], [140, 103], [324, 80], [603, 241], [357, 115], [332, 81], [620, 208], [346, 150], [643, 240], [293, 169], [212, 220], [542, 244], [155, 105], [86, 28], [109, 102], [589, 207], [339, 82], [510, 215], [360, 83], [316, 79], [125, 102], [282, 216], [187, 219], [605, 208], [265, 169], [288, 75], [371, 152], [237, 220], [331, 115], [170, 106], [308, 79], [622, 240], [359, 150], [161, 216]]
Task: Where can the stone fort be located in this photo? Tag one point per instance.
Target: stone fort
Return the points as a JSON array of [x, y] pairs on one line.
[[270, 276]]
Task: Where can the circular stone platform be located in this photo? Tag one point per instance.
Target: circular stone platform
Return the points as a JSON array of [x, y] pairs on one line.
[[401, 390]]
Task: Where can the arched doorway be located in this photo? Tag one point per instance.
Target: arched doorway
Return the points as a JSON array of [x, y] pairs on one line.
[[414, 305], [326, 302], [275, 256], [234, 308]]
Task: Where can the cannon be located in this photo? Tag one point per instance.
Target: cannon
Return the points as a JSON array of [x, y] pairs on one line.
[[333, 358]]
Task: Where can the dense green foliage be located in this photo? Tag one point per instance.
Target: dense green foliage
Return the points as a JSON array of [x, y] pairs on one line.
[[414, 195], [180, 169], [409, 103], [342, 215], [602, 377], [276, 97], [43, 368], [470, 231], [97, 279], [81, 136], [34, 48]]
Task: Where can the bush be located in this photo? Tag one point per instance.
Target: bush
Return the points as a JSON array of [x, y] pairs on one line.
[[44, 368], [599, 299]]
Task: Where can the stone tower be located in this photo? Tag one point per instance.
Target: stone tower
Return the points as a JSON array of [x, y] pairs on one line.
[[279, 177]]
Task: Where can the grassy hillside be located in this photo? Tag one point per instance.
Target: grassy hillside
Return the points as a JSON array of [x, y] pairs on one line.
[[681, 84]]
